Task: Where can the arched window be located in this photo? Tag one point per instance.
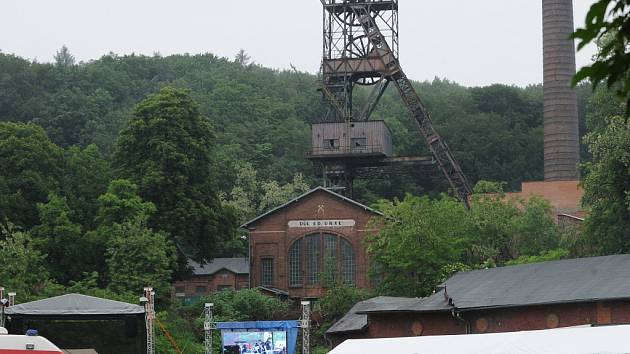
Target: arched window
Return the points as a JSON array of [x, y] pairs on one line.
[[321, 258]]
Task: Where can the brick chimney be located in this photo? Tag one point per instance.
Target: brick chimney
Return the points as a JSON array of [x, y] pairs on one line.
[[562, 148]]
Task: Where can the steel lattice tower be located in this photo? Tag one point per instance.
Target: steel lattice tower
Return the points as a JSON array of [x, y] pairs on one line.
[[349, 57], [361, 48]]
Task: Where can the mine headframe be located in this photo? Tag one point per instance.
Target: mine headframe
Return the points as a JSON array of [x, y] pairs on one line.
[[361, 48]]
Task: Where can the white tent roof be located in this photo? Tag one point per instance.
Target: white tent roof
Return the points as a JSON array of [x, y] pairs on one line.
[[74, 304], [589, 340]]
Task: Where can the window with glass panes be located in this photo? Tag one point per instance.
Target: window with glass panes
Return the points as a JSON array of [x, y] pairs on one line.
[[313, 256], [321, 253], [330, 258], [295, 264], [348, 265], [266, 267]]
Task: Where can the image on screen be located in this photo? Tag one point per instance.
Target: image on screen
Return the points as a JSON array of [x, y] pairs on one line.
[[254, 342]]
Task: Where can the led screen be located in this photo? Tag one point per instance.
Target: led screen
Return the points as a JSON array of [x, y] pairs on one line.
[[254, 342]]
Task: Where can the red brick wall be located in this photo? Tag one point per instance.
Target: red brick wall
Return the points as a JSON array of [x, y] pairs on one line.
[[564, 196], [271, 237], [212, 283], [493, 321]]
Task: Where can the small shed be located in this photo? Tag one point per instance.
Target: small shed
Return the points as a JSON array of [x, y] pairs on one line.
[[346, 139], [76, 321]]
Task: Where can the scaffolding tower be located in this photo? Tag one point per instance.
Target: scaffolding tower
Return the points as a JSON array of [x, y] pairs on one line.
[[148, 300]]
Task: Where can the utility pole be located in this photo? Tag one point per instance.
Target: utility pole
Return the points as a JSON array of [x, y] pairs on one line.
[[305, 323], [148, 301], [208, 326]]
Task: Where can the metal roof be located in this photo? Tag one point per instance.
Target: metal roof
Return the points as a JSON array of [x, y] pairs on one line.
[[234, 265], [348, 200], [555, 282], [355, 320], [74, 305], [565, 281]]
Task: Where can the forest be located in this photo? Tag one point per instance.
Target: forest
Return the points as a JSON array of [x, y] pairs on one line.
[[116, 170]]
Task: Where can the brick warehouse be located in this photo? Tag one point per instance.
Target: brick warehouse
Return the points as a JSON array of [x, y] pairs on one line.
[[313, 239], [576, 292]]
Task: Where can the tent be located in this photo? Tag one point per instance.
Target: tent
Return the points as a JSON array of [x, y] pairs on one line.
[[583, 340], [81, 321], [75, 305]]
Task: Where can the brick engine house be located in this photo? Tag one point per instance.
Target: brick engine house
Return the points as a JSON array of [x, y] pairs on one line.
[[307, 244]]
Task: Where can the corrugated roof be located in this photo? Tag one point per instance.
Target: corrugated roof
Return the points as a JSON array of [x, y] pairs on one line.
[[364, 207], [355, 320], [234, 265], [74, 304]]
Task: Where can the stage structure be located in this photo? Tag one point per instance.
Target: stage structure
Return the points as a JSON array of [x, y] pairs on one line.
[[148, 302], [208, 326], [360, 48], [258, 336]]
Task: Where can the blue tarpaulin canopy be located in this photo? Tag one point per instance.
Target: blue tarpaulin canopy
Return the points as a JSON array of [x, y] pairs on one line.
[[291, 327]]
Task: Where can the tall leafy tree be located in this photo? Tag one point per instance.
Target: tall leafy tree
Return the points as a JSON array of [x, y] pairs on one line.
[[63, 58], [119, 205], [23, 267], [138, 257], [31, 169], [61, 240], [122, 203], [167, 149], [86, 176], [607, 187], [251, 196], [417, 240]]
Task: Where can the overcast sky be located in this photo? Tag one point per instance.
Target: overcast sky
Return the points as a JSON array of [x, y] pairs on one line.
[[471, 42]]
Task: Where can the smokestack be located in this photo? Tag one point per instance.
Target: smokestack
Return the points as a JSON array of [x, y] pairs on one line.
[[562, 143]]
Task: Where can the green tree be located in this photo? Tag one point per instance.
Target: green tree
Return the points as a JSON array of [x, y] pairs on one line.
[[337, 301], [275, 194], [61, 240], [31, 169], [86, 176], [250, 196], [607, 187], [424, 241], [63, 58], [122, 203], [138, 256], [23, 266], [247, 305], [607, 24], [167, 150], [417, 240], [242, 58], [535, 230]]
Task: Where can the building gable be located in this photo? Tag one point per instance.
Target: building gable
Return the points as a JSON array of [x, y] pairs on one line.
[[317, 208]]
